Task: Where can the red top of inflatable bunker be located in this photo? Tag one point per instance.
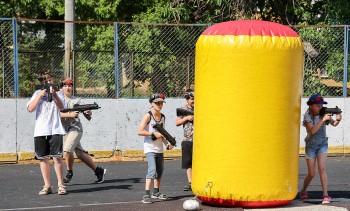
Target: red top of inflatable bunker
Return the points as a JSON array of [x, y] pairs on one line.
[[250, 28]]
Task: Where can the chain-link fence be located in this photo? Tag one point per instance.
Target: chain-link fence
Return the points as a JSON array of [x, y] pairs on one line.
[[156, 58], [129, 60], [93, 59], [147, 58], [324, 49], [7, 59], [40, 48]]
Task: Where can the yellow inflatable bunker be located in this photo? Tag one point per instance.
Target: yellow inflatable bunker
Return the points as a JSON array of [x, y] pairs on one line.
[[248, 81]]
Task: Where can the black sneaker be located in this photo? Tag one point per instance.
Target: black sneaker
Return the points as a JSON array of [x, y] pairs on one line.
[[68, 177], [188, 188], [100, 174]]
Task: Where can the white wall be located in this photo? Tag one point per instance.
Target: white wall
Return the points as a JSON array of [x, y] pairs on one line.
[[8, 125], [114, 126]]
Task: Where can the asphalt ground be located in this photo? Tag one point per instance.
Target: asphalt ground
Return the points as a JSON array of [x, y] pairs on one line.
[[124, 187]]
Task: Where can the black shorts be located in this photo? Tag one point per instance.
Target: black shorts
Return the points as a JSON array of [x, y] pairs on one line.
[[187, 149], [48, 146]]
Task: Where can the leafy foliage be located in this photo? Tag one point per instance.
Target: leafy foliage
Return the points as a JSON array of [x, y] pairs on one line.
[[154, 49], [313, 84], [327, 55]]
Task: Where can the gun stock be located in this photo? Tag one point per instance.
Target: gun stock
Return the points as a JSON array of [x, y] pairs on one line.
[[183, 112], [82, 108], [165, 133]]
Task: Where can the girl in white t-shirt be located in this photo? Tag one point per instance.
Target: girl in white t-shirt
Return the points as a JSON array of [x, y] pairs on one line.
[[48, 132]]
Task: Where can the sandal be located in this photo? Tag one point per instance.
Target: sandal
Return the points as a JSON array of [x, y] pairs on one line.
[[326, 199], [61, 190], [45, 191], [304, 196]]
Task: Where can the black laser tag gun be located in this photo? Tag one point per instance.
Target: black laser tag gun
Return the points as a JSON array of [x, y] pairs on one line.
[[331, 111], [48, 88], [183, 112], [82, 108], [167, 136]]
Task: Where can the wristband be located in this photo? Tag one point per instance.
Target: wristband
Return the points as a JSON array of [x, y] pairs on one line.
[[153, 136], [338, 120]]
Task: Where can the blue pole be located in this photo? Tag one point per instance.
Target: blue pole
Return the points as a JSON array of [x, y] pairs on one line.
[[116, 59], [346, 53], [15, 52]]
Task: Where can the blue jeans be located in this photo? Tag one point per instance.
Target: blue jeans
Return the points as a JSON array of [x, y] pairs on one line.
[[155, 165], [311, 152]]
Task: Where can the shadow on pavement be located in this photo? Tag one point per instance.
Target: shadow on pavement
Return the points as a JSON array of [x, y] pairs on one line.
[[102, 188], [333, 194]]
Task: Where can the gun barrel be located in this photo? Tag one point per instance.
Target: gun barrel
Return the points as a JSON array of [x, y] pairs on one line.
[[183, 112], [332, 111], [165, 133], [82, 108]]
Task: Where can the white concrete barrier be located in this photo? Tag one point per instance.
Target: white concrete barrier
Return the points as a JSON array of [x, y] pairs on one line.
[[114, 126]]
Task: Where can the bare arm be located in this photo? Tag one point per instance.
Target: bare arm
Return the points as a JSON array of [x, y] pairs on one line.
[[336, 122], [57, 100], [312, 129], [73, 114], [88, 112], [142, 132], [181, 121], [34, 103]]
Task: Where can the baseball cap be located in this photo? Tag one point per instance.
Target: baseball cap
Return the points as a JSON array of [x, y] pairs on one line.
[[316, 99], [66, 82], [158, 97]]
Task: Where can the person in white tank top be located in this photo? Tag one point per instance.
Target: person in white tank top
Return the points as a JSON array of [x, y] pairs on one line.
[[153, 147]]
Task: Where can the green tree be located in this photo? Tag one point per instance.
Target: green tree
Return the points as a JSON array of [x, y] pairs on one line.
[[152, 54]]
